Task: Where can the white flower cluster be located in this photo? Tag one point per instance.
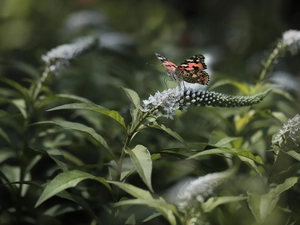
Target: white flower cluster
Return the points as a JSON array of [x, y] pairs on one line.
[[198, 190], [291, 39], [289, 136], [58, 58], [167, 101]]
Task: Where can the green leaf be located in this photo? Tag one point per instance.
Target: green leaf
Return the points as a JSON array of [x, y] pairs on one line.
[[241, 86], [168, 131], [65, 180], [134, 115], [213, 202], [51, 98], [293, 154], [69, 157], [160, 206], [145, 198], [245, 156], [215, 151], [130, 220], [132, 190], [7, 153], [133, 96], [284, 93], [21, 105], [81, 128], [73, 97], [95, 108], [4, 136], [288, 183], [226, 140], [279, 116], [56, 156], [141, 159], [262, 206], [80, 201], [16, 86], [153, 216]]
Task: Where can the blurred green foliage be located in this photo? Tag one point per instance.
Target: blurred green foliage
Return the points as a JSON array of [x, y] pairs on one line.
[[36, 156]]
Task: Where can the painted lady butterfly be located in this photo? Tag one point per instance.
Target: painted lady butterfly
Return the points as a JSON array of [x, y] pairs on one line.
[[191, 70]]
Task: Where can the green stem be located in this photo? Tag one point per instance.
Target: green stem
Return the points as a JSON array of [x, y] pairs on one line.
[[272, 57], [133, 129], [40, 83]]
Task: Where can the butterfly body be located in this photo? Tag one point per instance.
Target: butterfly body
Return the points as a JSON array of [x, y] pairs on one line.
[[191, 70]]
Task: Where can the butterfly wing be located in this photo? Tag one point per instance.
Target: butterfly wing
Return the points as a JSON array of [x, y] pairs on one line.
[[170, 66], [191, 70]]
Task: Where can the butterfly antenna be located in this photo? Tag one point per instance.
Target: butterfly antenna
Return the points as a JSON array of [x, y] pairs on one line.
[[149, 64]]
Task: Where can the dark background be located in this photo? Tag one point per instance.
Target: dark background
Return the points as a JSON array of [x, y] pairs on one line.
[[236, 36]]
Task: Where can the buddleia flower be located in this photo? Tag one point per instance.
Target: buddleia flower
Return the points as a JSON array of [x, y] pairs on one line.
[[180, 98], [291, 40], [288, 138], [58, 58], [198, 190]]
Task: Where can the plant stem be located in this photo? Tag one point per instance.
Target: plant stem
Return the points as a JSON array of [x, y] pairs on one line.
[[272, 57], [40, 83]]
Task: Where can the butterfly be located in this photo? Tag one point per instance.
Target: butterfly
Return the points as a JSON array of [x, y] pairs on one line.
[[191, 70]]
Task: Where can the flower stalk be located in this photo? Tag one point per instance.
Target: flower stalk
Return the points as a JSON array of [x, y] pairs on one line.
[[198, 190], [166, 102], [57, 59], [290, 41]]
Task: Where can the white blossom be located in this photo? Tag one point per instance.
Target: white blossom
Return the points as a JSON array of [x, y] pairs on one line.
[[289, 136], [291, 39], [168, 101], [58, 58], [198, 190]]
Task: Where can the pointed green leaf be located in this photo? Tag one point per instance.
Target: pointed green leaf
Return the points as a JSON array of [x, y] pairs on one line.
[[233, 151], [241, 86], [157, 204], [168, 131], [4, 136], [226, 140], [95, 108], [293, 154], [73, 97], [52, 98], [134, 115], [141, 159], [21, 105], [131, 220], [61, 182], [132, 190], [82, 128], [245, 156], [288, 183], [133, 96], [16, 86], [80, 201], [145, 198], [262, 206], [153, 216], [56, 156], [213, 202]]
